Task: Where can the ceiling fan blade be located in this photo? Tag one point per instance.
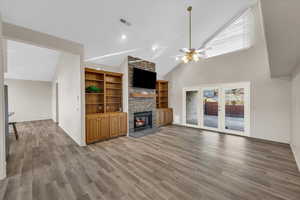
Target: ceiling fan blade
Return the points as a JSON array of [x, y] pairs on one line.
[[202, 55], [185, 50], [203, 49]]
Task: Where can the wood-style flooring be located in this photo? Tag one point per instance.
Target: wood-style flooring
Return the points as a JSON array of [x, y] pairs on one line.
[[176, 163]]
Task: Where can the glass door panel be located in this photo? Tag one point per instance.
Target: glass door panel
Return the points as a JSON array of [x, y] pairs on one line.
[[210, 98], [191, 100], [234, 109]]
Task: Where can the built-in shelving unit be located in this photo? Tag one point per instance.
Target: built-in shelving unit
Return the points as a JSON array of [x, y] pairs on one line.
[[164, 114], [109, 99], [162, 98], [104, 116]]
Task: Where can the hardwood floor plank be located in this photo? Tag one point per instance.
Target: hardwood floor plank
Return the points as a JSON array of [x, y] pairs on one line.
[[176, 163]]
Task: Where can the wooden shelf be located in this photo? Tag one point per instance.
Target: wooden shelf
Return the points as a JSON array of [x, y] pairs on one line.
[[110, 98], [111, 88], [90, 79], [113, 95], [114, 82], [141, 95], [162, 94]]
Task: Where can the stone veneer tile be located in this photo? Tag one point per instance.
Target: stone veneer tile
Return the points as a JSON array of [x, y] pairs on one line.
[[140, 104]]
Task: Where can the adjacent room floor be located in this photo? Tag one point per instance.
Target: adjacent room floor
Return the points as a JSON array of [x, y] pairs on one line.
[[176, 163]]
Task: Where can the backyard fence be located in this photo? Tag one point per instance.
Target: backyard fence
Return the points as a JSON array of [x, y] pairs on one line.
[[211, 108]]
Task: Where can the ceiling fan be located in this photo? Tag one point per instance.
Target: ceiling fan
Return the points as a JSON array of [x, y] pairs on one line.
[[192, 54]]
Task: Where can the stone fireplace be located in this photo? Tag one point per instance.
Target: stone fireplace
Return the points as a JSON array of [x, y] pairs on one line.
[[140, 105]]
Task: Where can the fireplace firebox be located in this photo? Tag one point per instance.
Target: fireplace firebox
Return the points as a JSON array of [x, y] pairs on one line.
[[142, 121]]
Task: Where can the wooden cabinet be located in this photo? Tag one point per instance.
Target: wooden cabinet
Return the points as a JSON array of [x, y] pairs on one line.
[[164, 116], [168, 116], [97, 128], [105, 126], [118, 124]]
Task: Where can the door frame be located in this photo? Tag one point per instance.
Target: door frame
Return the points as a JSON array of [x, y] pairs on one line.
[[221, 86], [247, 107], [191, 89]]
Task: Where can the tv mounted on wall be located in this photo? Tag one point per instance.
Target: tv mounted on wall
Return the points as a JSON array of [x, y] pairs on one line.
[[144, 79]]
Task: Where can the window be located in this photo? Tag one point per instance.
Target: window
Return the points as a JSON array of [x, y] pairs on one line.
[[236, 36]]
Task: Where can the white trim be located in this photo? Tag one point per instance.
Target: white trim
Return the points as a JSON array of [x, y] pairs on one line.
[[2, 108], [296, 155], [195, 89]]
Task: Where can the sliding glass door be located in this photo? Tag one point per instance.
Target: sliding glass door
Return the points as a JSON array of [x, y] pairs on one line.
[[236, 108], [210, 108], [223, 107]]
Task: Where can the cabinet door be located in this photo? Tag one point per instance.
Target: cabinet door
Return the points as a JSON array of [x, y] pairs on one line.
[[160, 117], [166, 116], [97, 128], [115, 125], [123, 124], [169, 113]]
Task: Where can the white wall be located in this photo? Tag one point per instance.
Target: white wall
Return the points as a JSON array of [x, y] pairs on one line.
[[124, 70], [270, 98], [2, 128], [295, 136], [54, 101], [29, 100], [69, 95]]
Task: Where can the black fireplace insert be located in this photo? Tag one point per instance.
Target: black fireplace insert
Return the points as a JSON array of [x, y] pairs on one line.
[[142, 121]]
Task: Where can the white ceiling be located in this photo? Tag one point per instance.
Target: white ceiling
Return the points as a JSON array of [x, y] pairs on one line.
[[27, 62], [282, 28], [95, 23]]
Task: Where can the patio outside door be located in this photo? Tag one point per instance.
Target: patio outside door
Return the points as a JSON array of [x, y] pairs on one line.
[[211, 108], [223, 107], [236, 109]]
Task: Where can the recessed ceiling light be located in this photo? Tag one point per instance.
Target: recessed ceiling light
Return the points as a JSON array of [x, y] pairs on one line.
[[124, 37], [98, 68], [176, 58], [154, 47]]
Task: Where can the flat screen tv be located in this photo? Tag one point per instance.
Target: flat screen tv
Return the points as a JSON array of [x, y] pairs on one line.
[[144, 79]]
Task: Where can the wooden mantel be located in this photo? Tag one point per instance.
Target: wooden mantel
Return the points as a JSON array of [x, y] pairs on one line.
[[143, 95]]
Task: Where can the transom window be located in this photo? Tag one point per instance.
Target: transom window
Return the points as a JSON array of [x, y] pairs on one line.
[[236, 36]]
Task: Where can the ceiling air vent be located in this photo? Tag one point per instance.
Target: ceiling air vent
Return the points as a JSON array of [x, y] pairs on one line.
[[124, 21]]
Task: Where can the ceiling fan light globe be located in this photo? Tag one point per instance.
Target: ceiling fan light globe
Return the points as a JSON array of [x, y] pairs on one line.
[[196, 57], [185, 59]]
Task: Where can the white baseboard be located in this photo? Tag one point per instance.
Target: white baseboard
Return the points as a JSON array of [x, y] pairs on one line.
[[296, 155]]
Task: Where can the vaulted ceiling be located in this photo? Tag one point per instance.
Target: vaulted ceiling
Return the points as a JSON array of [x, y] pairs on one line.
[[282, 30], [154, 23]]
